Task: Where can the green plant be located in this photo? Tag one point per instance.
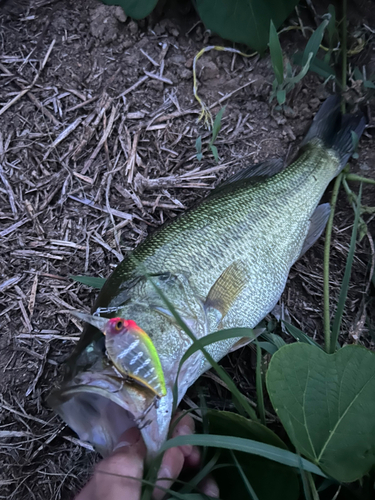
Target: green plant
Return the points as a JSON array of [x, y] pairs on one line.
[[243, 21], [215, 132], [285, 79]]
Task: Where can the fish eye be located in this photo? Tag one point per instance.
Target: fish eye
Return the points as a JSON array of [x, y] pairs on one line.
[[118, 325]]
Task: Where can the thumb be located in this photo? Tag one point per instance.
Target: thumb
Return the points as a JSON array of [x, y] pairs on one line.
[[119, 475]]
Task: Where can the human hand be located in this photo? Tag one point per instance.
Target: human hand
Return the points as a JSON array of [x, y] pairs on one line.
[[119, 475]]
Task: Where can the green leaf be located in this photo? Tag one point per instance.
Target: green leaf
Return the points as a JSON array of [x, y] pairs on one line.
[[219, 370], [357, 74], [296, 79], [259, 385], [276, 55], [137, 9], [217, 125], [249, 488], [314, 42], [214, 152], [281, 96], [89, 281], [268, 347], [274, 339], [326, 403], [230, 333], [322, 68], [244, 21], [250, 446], [345, 282], [300, 335]]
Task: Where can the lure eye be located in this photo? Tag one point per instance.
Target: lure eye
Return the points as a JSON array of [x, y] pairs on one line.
[[118, 326]]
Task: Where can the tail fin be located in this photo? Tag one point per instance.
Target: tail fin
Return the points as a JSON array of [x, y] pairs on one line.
[[335, 130]]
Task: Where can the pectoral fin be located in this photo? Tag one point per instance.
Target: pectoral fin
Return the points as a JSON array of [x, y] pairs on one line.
[[318, 222], [241, 343], [227, 287]]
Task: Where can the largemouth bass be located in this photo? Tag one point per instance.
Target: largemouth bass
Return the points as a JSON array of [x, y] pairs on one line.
[[222, 265]]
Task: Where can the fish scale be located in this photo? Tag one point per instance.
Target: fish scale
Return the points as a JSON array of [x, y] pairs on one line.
[[223, 264]]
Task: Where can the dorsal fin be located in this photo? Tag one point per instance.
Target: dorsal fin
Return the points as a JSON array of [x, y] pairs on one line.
[[252, 173]]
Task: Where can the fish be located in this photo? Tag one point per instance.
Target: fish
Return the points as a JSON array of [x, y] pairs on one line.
[[223, 264]]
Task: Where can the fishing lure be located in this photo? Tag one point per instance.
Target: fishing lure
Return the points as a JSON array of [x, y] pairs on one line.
[[133, 354], [130, 350]]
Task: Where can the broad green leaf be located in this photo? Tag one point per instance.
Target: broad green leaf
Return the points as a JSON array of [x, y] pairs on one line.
[[276, 55], [137, 9], [89, 281], [326, 403], [249, 488], [314, 42], [244, 21]]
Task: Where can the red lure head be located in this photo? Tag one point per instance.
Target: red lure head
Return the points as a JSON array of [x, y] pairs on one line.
[[120, 325]]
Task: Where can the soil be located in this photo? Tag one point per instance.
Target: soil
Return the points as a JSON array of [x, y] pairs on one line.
[[94, 155]]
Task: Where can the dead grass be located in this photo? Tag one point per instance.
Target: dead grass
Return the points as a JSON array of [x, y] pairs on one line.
[[97, 149]]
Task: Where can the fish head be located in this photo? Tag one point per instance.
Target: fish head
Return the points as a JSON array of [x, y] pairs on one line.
[[100, 404]]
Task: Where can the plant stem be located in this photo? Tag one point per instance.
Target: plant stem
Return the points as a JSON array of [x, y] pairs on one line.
[[358, 178], [314, 492], [327, 246]]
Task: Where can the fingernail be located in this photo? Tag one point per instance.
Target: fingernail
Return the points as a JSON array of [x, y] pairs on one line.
[[211, 489], [164, 472], [184, 430], [127, 438]]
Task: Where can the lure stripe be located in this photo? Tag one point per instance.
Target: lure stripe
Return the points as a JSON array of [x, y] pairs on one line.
[[132, 346], [142, 366]]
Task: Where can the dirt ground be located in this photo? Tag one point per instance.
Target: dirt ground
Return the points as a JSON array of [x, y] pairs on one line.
[[98, 127]]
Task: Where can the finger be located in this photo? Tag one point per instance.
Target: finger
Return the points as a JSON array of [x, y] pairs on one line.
[[118, 476], [209, 487], [193, 460], [185, 427], [170, 469]]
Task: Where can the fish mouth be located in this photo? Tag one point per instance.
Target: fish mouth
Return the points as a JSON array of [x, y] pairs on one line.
[[100, 408]]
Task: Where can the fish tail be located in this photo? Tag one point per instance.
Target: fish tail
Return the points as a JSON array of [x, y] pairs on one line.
[[336, 130]]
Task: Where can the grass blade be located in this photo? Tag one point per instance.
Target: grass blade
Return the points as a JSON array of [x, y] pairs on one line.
[[276, 54], [89, 281], [299, 335], [274, 453], [345, 282], [327, 249], [249, 488], [219, 370], [314, 42], [217, 125], [259, 386]]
